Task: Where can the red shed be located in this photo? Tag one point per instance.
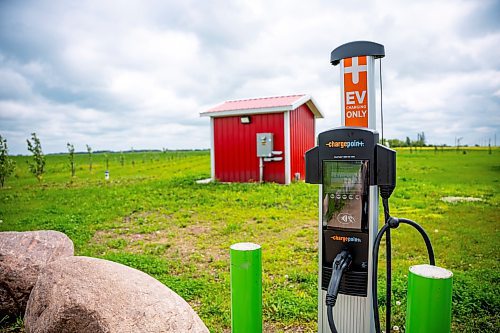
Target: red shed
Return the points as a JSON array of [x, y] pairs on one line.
[[288, 122]]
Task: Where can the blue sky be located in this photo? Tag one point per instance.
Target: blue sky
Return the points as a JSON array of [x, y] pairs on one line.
[[122, 74]]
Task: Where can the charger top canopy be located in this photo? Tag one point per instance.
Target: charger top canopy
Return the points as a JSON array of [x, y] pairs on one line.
[[357, 81]]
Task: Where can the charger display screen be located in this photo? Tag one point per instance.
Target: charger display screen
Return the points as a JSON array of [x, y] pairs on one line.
[[345, 185]]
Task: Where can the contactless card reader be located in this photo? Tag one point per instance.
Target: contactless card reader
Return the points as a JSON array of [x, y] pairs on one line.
[[348, 163]]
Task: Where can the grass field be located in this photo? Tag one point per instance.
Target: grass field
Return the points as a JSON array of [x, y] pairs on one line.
[[151, 215]]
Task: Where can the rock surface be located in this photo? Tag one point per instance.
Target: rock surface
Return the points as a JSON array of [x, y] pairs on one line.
[[22, 256], [82, 294]]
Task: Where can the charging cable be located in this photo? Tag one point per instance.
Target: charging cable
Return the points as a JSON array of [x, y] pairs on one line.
[[393, 223], [340, 264], [385, 193]]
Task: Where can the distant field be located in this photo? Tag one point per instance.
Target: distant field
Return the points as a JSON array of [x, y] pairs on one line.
[[151, 215]]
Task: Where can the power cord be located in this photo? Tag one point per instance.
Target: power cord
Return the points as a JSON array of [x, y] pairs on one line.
[[391, 223], [385, 193]]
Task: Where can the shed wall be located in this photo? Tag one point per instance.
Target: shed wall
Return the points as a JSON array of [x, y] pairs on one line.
[[235, 148], [302, 138]]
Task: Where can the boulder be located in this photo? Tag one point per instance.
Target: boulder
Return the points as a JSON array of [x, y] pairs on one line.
[[22, 256], [82, 294]]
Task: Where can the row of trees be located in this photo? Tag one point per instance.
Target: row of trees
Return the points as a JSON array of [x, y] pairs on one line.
[[37, 163], [420, 142]]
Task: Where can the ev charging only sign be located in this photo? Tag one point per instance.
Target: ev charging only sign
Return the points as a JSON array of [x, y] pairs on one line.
[[356, 91]]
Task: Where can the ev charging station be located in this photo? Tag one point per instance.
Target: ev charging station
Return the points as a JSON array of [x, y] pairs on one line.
[[347, 165], [352, 168]]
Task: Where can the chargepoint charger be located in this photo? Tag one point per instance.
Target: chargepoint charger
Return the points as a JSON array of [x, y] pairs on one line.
[[351, 167]]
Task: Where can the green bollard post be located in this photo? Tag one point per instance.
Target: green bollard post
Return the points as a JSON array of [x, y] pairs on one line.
[[429, 300], [246, 288]]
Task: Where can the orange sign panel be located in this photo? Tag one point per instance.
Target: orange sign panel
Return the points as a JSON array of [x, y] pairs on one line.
[[356, 92]]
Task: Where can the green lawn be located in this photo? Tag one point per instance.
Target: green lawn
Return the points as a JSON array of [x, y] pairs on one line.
[[151, 215]]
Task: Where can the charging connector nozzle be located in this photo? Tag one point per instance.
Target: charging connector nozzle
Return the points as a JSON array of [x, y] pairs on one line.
[[340, 264]]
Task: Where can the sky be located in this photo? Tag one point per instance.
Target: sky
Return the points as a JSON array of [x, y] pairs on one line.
[[118, 75]]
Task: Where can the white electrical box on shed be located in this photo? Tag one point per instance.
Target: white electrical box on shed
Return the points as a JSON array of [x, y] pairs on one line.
[[265, 144]]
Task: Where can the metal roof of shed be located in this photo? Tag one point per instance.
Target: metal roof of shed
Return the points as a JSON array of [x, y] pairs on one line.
[[263, 105]]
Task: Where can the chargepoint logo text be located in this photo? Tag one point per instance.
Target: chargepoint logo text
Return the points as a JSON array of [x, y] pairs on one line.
[[345, 239], [345, 144]]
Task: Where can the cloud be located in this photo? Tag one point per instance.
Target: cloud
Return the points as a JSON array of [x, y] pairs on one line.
[[120, 74], [13, 85]]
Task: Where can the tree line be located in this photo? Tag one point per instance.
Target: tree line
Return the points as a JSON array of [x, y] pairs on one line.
[[420, 142], [36, 164]]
